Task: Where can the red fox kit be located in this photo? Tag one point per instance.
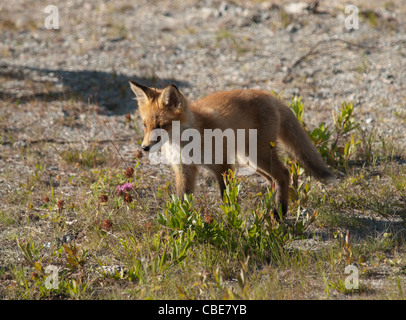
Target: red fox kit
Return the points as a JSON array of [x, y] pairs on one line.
[[234, 111]]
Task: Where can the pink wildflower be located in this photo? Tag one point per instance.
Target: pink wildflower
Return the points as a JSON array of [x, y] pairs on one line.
[[127, 187], [124, 188]]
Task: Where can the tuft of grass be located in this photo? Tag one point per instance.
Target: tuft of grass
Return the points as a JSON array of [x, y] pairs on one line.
[[6, 219], [89, 158], [226, 35]]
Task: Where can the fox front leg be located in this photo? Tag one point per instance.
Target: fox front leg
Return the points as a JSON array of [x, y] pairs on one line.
[[185, 179]]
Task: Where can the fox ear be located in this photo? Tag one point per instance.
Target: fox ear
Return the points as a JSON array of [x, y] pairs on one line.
[[142, 93], [171, 96]]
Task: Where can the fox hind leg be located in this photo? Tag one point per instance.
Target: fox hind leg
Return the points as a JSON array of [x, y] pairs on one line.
[[219, 170], [270, 167]]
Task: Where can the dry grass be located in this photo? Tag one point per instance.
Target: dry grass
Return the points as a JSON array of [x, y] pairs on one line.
[[62, 155], [59, 201]]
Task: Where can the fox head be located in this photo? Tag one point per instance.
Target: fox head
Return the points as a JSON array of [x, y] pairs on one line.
[[158, 108]]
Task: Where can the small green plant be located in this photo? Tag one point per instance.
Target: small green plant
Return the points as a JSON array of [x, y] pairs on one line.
[[183, 220], [337, 145], [71, 274], [32, 254], [339, 285], [254, 233], [296, 105], [75, 258]]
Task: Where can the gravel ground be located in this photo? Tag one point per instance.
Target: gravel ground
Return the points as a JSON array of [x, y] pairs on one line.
[[71, 84], [297, 48], [205, 46]]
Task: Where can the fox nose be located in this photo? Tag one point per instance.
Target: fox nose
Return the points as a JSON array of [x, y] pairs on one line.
[[145, 148]]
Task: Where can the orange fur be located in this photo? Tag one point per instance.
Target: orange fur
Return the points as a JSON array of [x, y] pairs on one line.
[[236, 109]]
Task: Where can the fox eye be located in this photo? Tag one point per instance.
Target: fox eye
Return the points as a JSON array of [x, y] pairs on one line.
[[162, 126]]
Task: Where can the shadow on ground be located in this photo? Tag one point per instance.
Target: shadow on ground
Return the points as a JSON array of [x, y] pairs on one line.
[[110, 91], [363, 228]]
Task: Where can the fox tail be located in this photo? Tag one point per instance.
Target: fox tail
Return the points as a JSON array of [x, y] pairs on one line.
[[296, 139]]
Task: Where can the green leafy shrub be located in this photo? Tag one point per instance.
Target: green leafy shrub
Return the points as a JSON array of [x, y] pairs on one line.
[[335, 145], [254, 233]]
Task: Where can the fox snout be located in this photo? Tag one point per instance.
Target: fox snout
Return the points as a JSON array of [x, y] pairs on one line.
[[145, 148], [148, 147]]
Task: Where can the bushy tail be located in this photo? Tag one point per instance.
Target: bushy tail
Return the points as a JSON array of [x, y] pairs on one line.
[[299, 144]]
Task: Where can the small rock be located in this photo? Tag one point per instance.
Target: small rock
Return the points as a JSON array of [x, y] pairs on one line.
[[296, 8]]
